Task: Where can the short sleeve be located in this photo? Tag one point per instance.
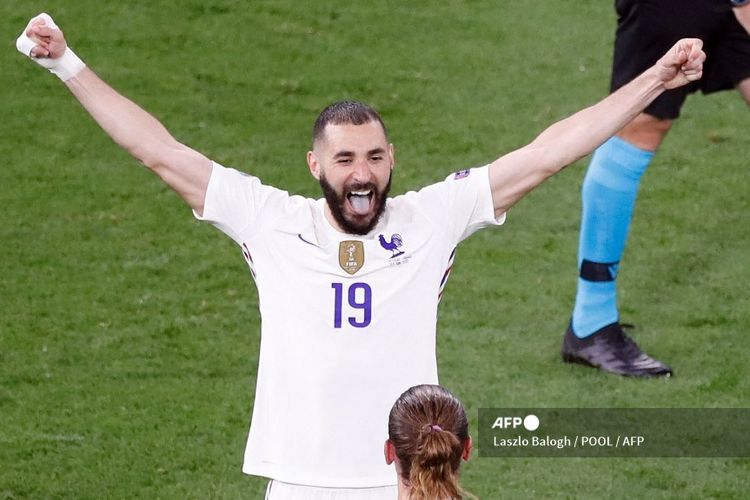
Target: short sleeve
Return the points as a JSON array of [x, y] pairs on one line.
[[237, 202], [461, 204]]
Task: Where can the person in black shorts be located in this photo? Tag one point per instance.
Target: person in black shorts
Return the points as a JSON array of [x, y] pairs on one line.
[[645, 29]]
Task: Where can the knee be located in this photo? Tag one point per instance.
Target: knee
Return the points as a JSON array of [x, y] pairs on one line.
[[646, 132]]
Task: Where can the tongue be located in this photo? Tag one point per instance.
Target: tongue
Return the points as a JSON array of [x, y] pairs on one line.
[[360, 204]]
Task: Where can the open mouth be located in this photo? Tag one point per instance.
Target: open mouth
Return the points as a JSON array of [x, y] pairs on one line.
[[360, 201]]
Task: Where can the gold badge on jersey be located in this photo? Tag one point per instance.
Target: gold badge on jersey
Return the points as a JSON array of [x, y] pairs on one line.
[[351, 256]]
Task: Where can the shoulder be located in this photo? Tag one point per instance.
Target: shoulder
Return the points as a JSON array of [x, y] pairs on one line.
[[467, 180]]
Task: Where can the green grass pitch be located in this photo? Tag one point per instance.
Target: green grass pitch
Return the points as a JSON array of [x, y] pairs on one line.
[[129, 332]]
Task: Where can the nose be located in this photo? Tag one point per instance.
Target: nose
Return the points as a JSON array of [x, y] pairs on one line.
[[361, 171]]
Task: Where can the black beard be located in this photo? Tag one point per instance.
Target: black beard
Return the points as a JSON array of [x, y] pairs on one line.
[[360, 225]]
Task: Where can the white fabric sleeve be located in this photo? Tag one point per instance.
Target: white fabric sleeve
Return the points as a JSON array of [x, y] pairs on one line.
[[236, 203], [461, 204]]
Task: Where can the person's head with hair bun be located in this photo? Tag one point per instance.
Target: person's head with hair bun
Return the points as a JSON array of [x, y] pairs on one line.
[[428, 436]]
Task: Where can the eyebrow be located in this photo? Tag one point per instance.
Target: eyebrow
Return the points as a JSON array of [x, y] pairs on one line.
[[342, 154]]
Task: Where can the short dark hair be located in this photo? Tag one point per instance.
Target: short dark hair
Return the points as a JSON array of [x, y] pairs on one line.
[[343, 113]]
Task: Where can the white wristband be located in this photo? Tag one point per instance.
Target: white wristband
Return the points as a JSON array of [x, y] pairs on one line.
[[65, 67], [68, 66]]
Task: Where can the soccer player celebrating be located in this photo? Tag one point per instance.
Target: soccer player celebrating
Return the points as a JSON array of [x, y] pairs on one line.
[[355, 276], [645, 29], [428, 436]]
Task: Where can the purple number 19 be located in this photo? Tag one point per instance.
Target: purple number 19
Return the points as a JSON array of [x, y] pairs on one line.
[[357, 300]]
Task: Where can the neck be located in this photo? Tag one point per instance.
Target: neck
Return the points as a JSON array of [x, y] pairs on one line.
[[403, 490], [331, 220]]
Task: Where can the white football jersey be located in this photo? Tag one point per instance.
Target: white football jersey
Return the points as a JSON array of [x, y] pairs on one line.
[[348, 322]]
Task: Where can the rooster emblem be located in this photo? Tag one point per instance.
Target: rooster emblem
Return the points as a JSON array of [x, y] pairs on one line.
[[393, 245]]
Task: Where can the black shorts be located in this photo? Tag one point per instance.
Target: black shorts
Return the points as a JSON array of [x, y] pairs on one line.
[[646, 29]]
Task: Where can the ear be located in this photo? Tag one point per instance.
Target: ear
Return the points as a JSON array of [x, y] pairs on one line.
[[313, 165], [392, 154], [467, 449], [389, 451]]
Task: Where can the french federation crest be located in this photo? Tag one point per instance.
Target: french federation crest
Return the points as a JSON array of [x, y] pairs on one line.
[[394, 245], [351, 256]]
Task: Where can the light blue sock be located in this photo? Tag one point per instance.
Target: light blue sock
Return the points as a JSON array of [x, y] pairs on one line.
[[609, 192]]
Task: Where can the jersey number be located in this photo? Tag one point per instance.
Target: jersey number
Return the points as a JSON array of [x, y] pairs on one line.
[[359, 296]]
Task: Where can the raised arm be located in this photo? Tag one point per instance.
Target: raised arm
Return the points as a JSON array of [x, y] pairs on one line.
[[518, 172], [140, 134]]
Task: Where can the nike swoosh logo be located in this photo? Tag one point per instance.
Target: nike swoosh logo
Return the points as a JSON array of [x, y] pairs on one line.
[[299, 235]]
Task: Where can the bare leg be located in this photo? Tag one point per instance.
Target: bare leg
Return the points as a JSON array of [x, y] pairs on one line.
[[744, 88], [647, 132]]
